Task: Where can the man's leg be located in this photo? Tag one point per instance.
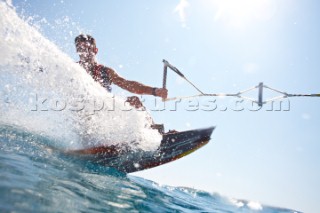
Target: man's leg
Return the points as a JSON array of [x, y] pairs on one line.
[[135, 102]]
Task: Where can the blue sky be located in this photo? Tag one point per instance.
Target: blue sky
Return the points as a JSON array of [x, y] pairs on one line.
[[221, 46]]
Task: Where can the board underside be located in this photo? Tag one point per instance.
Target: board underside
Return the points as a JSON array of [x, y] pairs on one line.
[[173, 146]]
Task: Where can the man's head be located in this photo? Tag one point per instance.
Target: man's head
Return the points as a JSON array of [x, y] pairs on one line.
[[86, 47]]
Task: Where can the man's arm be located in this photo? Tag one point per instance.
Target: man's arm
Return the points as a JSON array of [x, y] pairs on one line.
[[135, 87]]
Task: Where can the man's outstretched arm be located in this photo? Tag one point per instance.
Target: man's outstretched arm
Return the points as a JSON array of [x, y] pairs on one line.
[[136, 87]]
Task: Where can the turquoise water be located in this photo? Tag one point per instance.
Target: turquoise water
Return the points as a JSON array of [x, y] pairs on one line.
[[33, 178]]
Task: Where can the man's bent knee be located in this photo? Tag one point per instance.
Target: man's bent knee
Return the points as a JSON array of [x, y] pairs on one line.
[[135, 102]]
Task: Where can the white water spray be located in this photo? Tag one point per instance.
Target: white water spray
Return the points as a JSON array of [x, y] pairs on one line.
[[43, 91]]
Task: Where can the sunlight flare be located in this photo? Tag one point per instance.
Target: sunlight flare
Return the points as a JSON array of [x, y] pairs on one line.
[[240, 13]]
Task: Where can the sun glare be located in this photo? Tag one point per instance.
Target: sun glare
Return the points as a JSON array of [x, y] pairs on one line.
[[241, 13]]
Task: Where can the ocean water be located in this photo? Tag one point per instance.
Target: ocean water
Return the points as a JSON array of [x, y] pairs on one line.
[[34, 178]]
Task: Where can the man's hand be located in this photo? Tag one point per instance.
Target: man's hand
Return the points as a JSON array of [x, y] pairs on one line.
[[161, 92]]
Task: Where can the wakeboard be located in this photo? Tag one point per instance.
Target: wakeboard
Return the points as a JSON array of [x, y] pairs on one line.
[[173, 146]]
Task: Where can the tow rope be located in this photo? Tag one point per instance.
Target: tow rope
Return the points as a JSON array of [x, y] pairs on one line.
[[259, 87]]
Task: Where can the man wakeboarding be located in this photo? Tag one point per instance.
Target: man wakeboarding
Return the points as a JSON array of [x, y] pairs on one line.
[[87, 50], [174, 145]]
